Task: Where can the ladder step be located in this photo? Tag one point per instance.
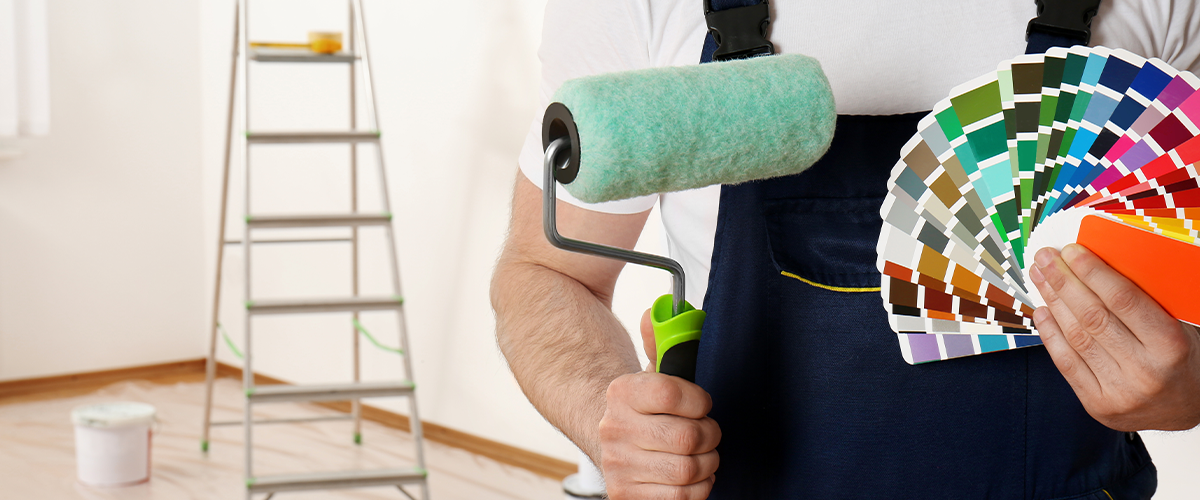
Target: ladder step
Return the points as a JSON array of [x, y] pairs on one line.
[[283, 393], [266, 54], [293, 240], [335, 480], [340, 304], [301, 420], [317, 220], [347, 136]]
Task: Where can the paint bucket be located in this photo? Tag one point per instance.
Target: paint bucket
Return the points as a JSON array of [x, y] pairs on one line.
[[112, 443]]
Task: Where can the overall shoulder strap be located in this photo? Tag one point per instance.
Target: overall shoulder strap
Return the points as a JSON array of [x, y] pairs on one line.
[[737, 29], [1060, 23]]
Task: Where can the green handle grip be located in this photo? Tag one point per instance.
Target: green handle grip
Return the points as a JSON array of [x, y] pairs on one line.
[[676, 338]]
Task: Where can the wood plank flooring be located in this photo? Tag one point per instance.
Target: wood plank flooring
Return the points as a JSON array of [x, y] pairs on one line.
[[37, 458]]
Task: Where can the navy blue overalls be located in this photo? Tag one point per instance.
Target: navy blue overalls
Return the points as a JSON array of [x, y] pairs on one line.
[[808, 384]]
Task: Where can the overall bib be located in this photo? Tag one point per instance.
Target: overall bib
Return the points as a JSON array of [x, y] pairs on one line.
[[807, 381]]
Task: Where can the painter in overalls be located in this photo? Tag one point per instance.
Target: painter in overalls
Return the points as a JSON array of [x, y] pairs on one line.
[[808, 384]]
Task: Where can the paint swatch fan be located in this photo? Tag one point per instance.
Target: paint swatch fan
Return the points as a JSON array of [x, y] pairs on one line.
[[1089, 145]]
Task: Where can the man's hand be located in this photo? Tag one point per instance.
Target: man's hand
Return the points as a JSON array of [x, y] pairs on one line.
[[656, 440], [1133, 366]]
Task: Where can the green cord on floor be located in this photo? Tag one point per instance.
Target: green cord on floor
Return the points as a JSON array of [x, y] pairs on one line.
[[229, 342], [358, 326]]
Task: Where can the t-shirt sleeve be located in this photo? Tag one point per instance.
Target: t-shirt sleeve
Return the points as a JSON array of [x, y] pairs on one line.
[[581, 38], [1166, 29]]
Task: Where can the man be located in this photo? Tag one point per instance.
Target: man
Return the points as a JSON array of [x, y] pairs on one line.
[[1130, 365]]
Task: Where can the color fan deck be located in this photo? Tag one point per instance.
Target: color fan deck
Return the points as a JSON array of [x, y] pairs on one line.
[[1090, 145]]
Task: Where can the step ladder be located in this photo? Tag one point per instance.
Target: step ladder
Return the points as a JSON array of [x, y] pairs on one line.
[[356, 56]]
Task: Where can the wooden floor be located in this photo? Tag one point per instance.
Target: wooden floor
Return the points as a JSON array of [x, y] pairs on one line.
[[37, 457]]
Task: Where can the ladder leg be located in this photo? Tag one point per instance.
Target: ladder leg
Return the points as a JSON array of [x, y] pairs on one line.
[[415, 426], [210, 365], [414, 416], [247, 357], [355, 405]]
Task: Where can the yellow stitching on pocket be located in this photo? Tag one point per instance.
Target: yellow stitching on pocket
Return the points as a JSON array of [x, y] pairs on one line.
[[1107, 493], [833, 288]]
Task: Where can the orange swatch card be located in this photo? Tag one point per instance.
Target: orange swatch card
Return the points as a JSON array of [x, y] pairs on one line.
[[1166, 269]]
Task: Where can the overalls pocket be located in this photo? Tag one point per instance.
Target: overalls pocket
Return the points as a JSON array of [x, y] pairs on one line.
[[826, 242]]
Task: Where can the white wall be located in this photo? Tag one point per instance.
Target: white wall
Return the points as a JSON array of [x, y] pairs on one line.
[[457, 90], [107, 226], [100, 257]]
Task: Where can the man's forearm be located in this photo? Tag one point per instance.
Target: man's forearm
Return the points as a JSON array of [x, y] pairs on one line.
[[562, 343]]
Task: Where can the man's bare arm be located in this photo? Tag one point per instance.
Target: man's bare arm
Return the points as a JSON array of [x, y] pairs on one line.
[[649, 433], [554, 322]]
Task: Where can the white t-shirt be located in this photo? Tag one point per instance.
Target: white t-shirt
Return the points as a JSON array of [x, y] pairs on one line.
[[881, 57]]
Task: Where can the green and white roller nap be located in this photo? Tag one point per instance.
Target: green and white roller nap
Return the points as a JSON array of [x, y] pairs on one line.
[[621, 135]]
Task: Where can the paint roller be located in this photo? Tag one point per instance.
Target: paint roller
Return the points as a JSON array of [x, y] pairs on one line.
[[320, 42], [621, 135]]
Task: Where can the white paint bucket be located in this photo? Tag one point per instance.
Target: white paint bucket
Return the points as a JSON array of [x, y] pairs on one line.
[[112, 443]]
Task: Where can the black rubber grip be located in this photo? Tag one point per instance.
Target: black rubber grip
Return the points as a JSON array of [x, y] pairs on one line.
[[680, 360]]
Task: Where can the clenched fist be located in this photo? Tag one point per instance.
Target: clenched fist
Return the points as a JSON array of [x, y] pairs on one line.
[[656, 440]]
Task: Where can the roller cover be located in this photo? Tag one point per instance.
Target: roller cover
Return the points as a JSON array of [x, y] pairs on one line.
[[676, 128]]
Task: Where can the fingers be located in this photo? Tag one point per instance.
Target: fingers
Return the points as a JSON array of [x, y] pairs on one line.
[[649, 491], [679, 470], [1139, 313], [648, 341], [1132, 366], [662, 468], [675, 435], [1073, 367], [656, 440], [658, 394], [1088, 326]]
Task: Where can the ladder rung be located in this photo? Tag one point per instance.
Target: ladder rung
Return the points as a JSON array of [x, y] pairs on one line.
[[340, 304], [347, 136], [317, 220], [300, 420], [335, 480], [299, 56], [283, 393], [292, 240]]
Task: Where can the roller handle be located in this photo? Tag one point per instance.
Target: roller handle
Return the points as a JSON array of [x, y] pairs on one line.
[[676, 338]]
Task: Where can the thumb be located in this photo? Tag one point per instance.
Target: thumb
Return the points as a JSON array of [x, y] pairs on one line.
[[648, 340]]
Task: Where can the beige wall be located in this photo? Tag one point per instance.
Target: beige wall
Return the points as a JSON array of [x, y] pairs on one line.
[[107, 226], [100, 257]]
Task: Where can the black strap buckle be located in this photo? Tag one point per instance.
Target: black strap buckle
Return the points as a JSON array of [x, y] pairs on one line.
[[740, 32], [1068, 18]]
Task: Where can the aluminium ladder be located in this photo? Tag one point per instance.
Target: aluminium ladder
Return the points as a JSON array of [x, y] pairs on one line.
[[355, 303]]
